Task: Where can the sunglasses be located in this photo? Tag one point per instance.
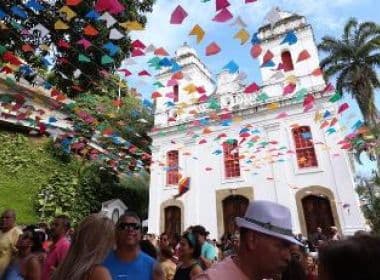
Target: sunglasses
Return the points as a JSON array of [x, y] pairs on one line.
[[124, 226]]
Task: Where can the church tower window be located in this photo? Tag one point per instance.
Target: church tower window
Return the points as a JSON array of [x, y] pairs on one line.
[[172, 165], [305, 151], [287, 63], [176, 93], [231, 159]]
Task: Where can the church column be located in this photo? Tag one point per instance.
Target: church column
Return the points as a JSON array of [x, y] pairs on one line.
[[155, 189]]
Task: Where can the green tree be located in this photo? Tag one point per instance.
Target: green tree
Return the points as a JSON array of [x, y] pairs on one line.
[[354, 59], [369, 194], [66, 63]]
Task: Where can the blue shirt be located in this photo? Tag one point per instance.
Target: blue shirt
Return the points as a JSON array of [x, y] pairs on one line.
[[140, 268], [208, 251]]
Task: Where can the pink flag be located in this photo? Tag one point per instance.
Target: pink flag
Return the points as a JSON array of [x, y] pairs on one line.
[[85, 43], [137, 52], [289, 89], [303, 56], [212, 49], [256, 51], [178, 15], [267, 56], [221, 4], [250, 1], [223, 16], [137, 44], [112, 6], [282, 115], [252, 88], [172, 83], [161, 51], [144, 73], [343, 108], [126, 72]]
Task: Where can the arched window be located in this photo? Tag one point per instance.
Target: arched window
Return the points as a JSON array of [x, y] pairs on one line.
[[287, 63], [176, 93], [305, 151], [231, 159], [172, 168]]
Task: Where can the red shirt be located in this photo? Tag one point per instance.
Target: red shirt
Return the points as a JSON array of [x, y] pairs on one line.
[[55, 256]]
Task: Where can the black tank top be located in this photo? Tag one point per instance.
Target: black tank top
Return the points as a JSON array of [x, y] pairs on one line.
[[184, 273]]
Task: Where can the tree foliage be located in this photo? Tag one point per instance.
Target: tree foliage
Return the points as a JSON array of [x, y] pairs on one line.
[[65, 63], [354, 59], [369, 193]]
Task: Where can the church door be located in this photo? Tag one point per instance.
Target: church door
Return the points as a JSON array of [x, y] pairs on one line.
[[172, 221], [233, 206], [317, 211]]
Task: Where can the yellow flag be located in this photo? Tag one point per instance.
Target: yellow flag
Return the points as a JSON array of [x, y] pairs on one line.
[[291, 79], [237, 119], [60, 25], [199, 32], [131, 25], [45, 47], [69, 14], [243, 36], [273, 106], [190, 88], [317, 116]]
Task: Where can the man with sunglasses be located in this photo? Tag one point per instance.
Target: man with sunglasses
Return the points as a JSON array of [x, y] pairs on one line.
[[128, 261]]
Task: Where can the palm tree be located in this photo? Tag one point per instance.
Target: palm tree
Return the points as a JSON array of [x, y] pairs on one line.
[[354, 59]]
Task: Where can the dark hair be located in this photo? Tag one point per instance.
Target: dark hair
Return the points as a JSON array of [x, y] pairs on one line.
[[148, 248], [66, 221], [166, 252], [294, 271], [129, 214], [37, 236], [193, 243], [353, 258]]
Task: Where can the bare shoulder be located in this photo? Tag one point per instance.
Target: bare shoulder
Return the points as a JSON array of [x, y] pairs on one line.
[[100, 273]]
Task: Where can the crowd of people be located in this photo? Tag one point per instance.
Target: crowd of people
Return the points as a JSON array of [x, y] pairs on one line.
[[264, 247]]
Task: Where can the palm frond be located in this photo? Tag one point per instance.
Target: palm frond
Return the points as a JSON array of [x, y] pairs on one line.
[[325, 62], [341, 80], [372, 60], [365, 30], [351, 23], [369, 47], [334, 69]]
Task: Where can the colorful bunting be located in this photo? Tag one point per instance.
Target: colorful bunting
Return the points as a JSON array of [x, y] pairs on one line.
[[303, 56], [242, 35], [178, 15], [198, 32], [223, 16], [212, 49]]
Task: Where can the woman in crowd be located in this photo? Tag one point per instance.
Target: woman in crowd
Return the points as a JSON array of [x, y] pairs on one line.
[[188, 253], [91, 243], [350, 259], [167, 265], [30, 256]]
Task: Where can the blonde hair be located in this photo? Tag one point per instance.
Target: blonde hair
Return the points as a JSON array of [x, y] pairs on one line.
[[91, 243]]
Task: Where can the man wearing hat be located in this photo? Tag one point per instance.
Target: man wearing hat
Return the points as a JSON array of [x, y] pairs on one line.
[[265, 239]]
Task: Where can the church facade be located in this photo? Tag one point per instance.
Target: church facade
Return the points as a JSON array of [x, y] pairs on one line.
[[237, 143]]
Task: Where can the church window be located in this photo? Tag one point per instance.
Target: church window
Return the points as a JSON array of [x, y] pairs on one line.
[[172, 168], [231, 159], [287, 63], [305, 151], [176, 93]]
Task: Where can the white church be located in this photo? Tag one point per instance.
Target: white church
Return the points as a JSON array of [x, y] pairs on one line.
[[251, 148]]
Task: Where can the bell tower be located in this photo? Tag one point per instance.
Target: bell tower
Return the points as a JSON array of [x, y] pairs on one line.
[[288, 53]]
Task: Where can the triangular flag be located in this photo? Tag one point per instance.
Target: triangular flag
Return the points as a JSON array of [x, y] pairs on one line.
[[115, 34], [221, 4], [290, 38], [178, 15], [161, 51], [242, 35], [68, 13], [231, 66], [212, 49], [83, 58], [144, 73], [252, 88], [317, 72], [343, 107], [267, 57], [239, 22], [110, 20], [89, 30], [199, 32], [137, 52], [223, 16], [303, 56], [73, 2], [132, 25], [60, 25], [112, 6], [337, 96], [256, 51], [106, 59], [137, 44], [289, 89]]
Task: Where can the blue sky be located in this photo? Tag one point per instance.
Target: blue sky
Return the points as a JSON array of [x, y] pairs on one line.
[[326, 16]]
